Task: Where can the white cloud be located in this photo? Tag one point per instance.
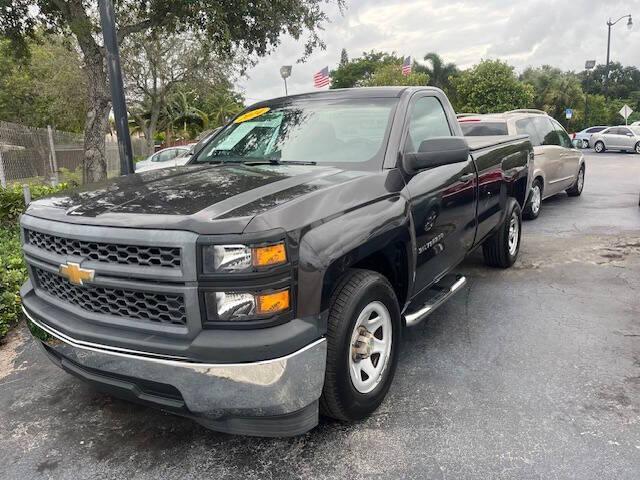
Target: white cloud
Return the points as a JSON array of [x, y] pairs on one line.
[[563, 33]]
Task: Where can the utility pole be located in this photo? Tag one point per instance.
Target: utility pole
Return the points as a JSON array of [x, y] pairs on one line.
[[107, 20], [588, 65]]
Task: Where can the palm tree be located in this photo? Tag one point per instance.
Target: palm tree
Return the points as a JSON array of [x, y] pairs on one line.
[[224, 106], [439, 72], [180, 110]]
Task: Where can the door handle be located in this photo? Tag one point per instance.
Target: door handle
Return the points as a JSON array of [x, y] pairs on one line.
[[467, 177]]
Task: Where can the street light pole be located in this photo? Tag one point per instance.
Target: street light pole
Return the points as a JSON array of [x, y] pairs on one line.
[[611, 24], [588, 65], [107, 20]]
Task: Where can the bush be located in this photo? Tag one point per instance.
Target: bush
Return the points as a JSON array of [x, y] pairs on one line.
[[13, 271], [12, 200]]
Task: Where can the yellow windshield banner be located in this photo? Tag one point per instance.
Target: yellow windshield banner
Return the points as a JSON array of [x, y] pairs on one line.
[[251, 114]]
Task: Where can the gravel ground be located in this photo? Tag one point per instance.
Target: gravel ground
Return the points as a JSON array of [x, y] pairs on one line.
[[532, 372]]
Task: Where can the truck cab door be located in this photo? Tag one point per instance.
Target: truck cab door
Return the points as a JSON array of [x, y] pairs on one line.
[[443, 199]]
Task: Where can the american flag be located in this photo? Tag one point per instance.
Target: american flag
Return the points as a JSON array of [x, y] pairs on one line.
[[322, 79], [406, 66]]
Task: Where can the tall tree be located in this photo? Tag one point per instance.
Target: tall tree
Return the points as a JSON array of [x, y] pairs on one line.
[[555, 91], [391, 75], [255, 27], [46, 88], [358, 71], [439, 72], [344, 58], [155, 65], [491, 86]]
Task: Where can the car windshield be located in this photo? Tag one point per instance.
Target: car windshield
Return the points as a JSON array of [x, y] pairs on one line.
[[350, 131], [483, 129]]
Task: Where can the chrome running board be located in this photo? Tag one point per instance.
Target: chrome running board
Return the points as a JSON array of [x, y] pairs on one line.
[[434, 296]]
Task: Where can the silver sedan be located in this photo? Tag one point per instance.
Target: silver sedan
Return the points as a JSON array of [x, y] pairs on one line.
[[623, 138]]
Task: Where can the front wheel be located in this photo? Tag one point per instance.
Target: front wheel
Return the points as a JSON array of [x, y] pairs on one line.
[[501, 249], [363, 340], [599, 147], [585, 143], [576, 189], [637, 149]]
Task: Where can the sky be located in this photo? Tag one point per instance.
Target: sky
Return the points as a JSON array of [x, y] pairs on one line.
[[562, 33]]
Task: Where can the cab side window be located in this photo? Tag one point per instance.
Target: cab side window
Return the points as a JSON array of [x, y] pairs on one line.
[[427, 120]]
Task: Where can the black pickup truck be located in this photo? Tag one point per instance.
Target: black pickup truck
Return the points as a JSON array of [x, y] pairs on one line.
[[271, 278]]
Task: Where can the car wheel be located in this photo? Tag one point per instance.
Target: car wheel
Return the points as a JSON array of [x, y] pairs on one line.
[[363, 342], [532, 208], [599, 147], [637, 149], [576, 189], [501, 249], [585, 143]]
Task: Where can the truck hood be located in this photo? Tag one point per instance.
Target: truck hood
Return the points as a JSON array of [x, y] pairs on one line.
[[205, 198]]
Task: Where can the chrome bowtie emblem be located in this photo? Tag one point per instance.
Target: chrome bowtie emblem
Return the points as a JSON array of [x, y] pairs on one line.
[[76, 274]]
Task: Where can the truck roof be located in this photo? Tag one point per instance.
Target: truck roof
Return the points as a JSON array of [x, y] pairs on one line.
[[343, 93]]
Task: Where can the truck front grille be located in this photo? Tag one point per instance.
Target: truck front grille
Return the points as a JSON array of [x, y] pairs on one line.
[[168, 257], [153, 307]]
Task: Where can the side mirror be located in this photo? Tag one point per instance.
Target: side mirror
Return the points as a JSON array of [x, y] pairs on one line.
[[435, 152]]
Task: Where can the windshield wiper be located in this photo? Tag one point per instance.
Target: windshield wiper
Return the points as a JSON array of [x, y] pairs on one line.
[[275, 161]]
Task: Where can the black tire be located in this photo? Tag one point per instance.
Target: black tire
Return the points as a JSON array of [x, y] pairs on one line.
[[533, 207], [356, 290], [637, 148], [576, 189], [585, 144], [496, 249], [599, 147]]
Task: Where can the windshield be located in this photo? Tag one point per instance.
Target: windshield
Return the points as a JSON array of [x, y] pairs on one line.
[[483, 129], [351, 131]]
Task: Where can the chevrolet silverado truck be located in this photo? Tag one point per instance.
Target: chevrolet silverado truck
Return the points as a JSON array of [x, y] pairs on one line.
[[270, 278]]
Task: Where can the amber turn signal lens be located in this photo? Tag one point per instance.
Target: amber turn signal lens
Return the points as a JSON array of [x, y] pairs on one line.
[[271, 303], [269, 255]]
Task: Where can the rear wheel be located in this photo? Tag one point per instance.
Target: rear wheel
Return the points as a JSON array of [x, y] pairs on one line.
[[363, 340], [637, 149], [501, 249], [532, 208], [599, 147], [576, 188]]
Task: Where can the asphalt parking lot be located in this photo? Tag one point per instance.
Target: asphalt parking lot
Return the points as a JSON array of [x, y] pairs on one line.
[[532, 372]]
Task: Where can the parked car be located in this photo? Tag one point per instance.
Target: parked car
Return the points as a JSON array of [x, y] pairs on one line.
[[167, 157], [623, 138], [635, 124], [585, 135], [557, 166], [272, 276]]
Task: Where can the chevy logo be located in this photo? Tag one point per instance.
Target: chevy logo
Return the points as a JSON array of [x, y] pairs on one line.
[[75, 274]]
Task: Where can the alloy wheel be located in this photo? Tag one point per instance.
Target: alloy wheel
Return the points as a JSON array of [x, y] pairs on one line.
[[514, 234]]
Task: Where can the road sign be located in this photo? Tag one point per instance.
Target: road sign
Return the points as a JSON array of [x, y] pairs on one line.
[[568, 113], [625, 112]]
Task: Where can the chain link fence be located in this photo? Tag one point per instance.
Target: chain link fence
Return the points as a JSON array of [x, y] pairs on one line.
[[45, 155]]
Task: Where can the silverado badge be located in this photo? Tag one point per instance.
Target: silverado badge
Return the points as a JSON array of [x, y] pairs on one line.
[[75, 274]]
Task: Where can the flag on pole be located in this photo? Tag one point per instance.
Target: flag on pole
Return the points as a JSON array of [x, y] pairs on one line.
[[322, 79], [406, 66]]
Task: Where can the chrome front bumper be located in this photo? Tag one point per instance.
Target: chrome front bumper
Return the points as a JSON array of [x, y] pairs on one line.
[[226, 397]]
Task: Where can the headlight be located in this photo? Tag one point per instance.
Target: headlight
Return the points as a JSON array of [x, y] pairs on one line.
[[242, 258], [245, 306]]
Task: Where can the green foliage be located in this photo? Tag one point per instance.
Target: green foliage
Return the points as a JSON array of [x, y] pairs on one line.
[[555, 91], [12, 200], [13, 273], [440, 73], [623, 81], [490, 87], [391, 75], [46, 88], [357, 72]]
